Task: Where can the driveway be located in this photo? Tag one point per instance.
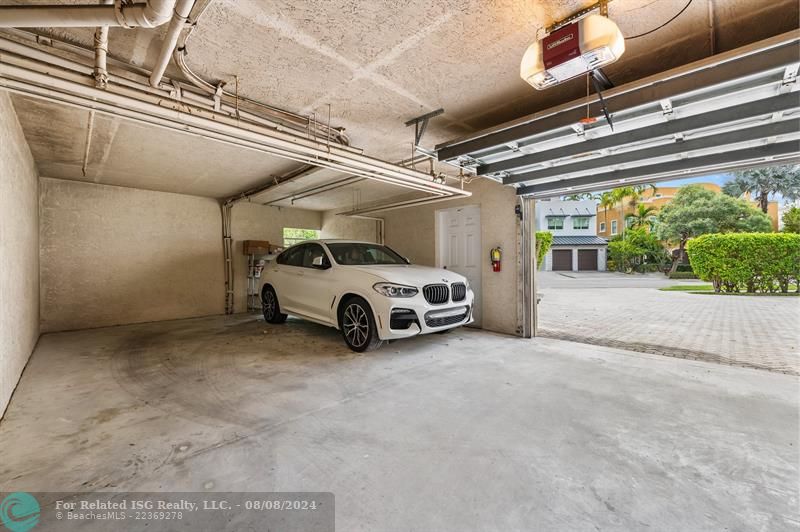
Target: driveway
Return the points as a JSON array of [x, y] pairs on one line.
[[629, 312]]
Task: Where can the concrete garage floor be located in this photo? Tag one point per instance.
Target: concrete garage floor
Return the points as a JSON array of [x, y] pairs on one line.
[[466, 431], [629, 312]]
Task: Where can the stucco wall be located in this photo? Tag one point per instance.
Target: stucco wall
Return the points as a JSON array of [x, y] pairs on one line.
[[412, 233], [19, 251], [334, 226], [251, 221], [113, 255]]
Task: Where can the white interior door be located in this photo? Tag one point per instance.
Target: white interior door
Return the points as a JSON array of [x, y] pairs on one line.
[[459, 246]]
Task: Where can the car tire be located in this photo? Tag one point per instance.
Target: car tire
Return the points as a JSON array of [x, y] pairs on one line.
[[358, 325], [270, 307]]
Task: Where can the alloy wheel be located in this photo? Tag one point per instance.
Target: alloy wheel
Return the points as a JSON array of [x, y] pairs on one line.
[[356, 325], [269, 305]]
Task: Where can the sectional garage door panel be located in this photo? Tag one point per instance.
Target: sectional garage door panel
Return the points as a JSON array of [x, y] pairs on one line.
[[587, 260], [562, 260]]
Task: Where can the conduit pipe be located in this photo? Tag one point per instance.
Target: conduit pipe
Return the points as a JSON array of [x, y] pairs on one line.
[[62, 85], [336, 135], [101, 54], [187, 93], [183, 8], [198, 92], [150, 14]]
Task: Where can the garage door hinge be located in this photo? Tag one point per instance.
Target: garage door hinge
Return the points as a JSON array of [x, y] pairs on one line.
[[790, 74]]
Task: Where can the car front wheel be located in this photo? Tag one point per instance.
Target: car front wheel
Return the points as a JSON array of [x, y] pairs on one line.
[[358, 326], [270, 306]]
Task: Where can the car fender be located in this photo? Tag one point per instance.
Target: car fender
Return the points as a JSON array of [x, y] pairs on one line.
[[357, 291]]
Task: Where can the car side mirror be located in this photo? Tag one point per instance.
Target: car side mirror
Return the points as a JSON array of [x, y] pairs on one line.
[[320, 263]]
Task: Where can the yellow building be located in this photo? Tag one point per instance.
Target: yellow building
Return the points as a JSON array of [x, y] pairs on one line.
[[609, 222]]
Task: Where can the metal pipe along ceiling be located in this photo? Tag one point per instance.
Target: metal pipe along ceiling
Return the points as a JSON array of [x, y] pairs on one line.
[[150, 14], [183, 9], [54, 82]]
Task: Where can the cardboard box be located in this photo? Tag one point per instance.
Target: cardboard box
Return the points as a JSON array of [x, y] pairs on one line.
[[256, 247]]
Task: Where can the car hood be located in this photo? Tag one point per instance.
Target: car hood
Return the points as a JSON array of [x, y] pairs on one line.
[[410, 274]]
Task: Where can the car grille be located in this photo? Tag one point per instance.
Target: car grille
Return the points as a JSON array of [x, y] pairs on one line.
[[447, 320], [436, 294], [459, 291]]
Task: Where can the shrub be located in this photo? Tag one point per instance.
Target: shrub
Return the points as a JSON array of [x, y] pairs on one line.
[[753, 262], [639, 250], [544, 239], [791, 220], [682, 275], [685, 268]]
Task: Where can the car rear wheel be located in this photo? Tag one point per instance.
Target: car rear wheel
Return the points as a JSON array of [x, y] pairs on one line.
[[270, 306], [358, 326]]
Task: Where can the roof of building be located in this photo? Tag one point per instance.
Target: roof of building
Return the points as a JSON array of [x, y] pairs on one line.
[[588, 240]]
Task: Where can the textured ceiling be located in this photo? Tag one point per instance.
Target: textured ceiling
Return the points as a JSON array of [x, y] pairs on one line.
[[377, 64]]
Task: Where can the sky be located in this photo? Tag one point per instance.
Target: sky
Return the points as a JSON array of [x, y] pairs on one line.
[[719, 179]]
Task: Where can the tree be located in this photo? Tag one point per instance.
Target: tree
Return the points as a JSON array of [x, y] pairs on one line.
[[639, 250], [544, 239], [642, 217], [581, 196], [696, 211], [761, 183], [619, 194], [633, 193], [791, 220], [606, 202]]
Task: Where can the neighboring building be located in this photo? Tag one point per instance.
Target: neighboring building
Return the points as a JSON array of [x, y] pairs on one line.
[[576, 245], [609, 224]]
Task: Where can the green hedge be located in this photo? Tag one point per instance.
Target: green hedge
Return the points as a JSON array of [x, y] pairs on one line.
[[751, 262], [544, 239], [682, 275]]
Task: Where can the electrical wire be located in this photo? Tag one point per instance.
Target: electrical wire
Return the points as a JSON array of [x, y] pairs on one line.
[[664, 24]]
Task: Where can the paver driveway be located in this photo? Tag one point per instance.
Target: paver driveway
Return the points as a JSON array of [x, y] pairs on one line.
[[629, 312]]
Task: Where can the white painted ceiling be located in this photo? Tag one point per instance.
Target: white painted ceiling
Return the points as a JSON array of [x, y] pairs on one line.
[[377, 64]]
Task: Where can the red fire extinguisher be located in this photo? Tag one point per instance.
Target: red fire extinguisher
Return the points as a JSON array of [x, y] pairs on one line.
[[495, 255]]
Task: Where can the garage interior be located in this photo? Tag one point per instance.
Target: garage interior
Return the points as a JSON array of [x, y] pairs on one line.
[[136, 161]]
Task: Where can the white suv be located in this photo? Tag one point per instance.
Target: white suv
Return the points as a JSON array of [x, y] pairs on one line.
[[366, 290]]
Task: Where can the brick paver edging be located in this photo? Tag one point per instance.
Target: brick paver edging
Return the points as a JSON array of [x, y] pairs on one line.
[[675, 352]]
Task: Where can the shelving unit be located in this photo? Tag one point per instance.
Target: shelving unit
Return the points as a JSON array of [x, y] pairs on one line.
[[259, 253]]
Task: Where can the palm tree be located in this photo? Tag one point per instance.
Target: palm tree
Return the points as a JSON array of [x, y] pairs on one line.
[[760, 183], [581, 196], [619, 194], [606, 202], [642, 216], [635, 193]]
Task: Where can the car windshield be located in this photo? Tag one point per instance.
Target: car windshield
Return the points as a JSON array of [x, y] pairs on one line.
[[355, 254]]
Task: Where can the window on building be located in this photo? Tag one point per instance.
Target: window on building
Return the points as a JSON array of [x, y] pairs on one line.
[[613, 227], [293, 235], [580, 222], [554, 223], [602, 227]]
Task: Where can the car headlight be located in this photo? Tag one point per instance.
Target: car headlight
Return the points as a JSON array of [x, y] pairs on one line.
[[395, 290]]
